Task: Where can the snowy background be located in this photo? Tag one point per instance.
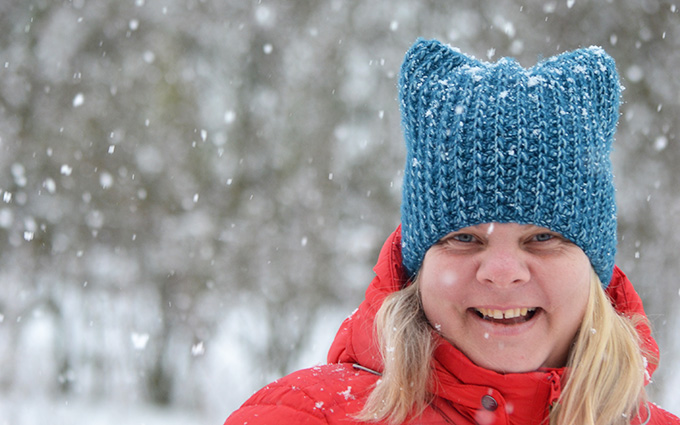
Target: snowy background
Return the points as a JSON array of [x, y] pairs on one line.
[[193, 192]]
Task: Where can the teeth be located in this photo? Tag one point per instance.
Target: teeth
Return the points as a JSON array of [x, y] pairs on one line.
[[505, 314]]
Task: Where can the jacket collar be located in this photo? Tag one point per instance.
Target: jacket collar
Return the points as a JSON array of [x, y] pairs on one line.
[[526, 396]]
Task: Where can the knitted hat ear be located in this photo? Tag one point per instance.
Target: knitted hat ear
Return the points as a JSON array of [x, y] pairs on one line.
[[430, 58], [425, 62], [592, 72], [495, 142]]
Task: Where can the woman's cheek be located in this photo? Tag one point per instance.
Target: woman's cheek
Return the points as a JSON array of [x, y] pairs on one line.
[[448, 278]]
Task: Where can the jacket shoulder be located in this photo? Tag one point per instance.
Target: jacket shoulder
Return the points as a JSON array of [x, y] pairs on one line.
[[659, 416], [319, 395]]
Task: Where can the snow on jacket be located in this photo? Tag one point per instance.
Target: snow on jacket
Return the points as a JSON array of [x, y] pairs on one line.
[[467, 394]]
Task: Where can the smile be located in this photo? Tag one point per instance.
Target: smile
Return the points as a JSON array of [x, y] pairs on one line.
[[508, 317]]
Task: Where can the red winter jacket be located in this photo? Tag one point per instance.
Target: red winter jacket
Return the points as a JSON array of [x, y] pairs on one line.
[[335, 392]]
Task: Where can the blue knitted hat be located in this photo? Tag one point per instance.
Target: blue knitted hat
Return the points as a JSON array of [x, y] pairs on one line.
[[495, 142]]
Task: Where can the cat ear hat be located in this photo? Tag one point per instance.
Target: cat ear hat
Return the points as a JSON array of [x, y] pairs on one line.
[[495, 142]]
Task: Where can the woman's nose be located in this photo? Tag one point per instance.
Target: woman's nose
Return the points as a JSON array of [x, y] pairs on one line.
[[503, 266]]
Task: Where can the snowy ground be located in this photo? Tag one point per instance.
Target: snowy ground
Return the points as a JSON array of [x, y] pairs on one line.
[[32, 412]]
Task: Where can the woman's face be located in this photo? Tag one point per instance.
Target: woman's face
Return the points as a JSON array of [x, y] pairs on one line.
[[511, 297]]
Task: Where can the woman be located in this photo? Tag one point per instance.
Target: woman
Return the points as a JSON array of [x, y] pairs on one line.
[[497, 300]]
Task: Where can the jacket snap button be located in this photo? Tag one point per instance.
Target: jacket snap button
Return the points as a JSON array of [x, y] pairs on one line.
[[489, 403]]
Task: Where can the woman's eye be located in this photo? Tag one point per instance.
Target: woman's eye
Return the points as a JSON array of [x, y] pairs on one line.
[[542, 237], [464, 237]]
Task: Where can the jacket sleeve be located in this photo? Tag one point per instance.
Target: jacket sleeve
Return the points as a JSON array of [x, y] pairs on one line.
[[272, 415], [279, 404]]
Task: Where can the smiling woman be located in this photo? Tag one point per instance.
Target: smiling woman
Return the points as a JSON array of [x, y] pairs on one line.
[[510, 296], [599, 387], [497, 300]]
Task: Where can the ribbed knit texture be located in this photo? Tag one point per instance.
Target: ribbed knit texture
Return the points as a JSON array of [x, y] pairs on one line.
[[495, 142]]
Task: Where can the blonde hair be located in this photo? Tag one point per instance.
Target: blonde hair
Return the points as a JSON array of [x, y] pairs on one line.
[[604, 378], [406, 344], [606, 367]]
